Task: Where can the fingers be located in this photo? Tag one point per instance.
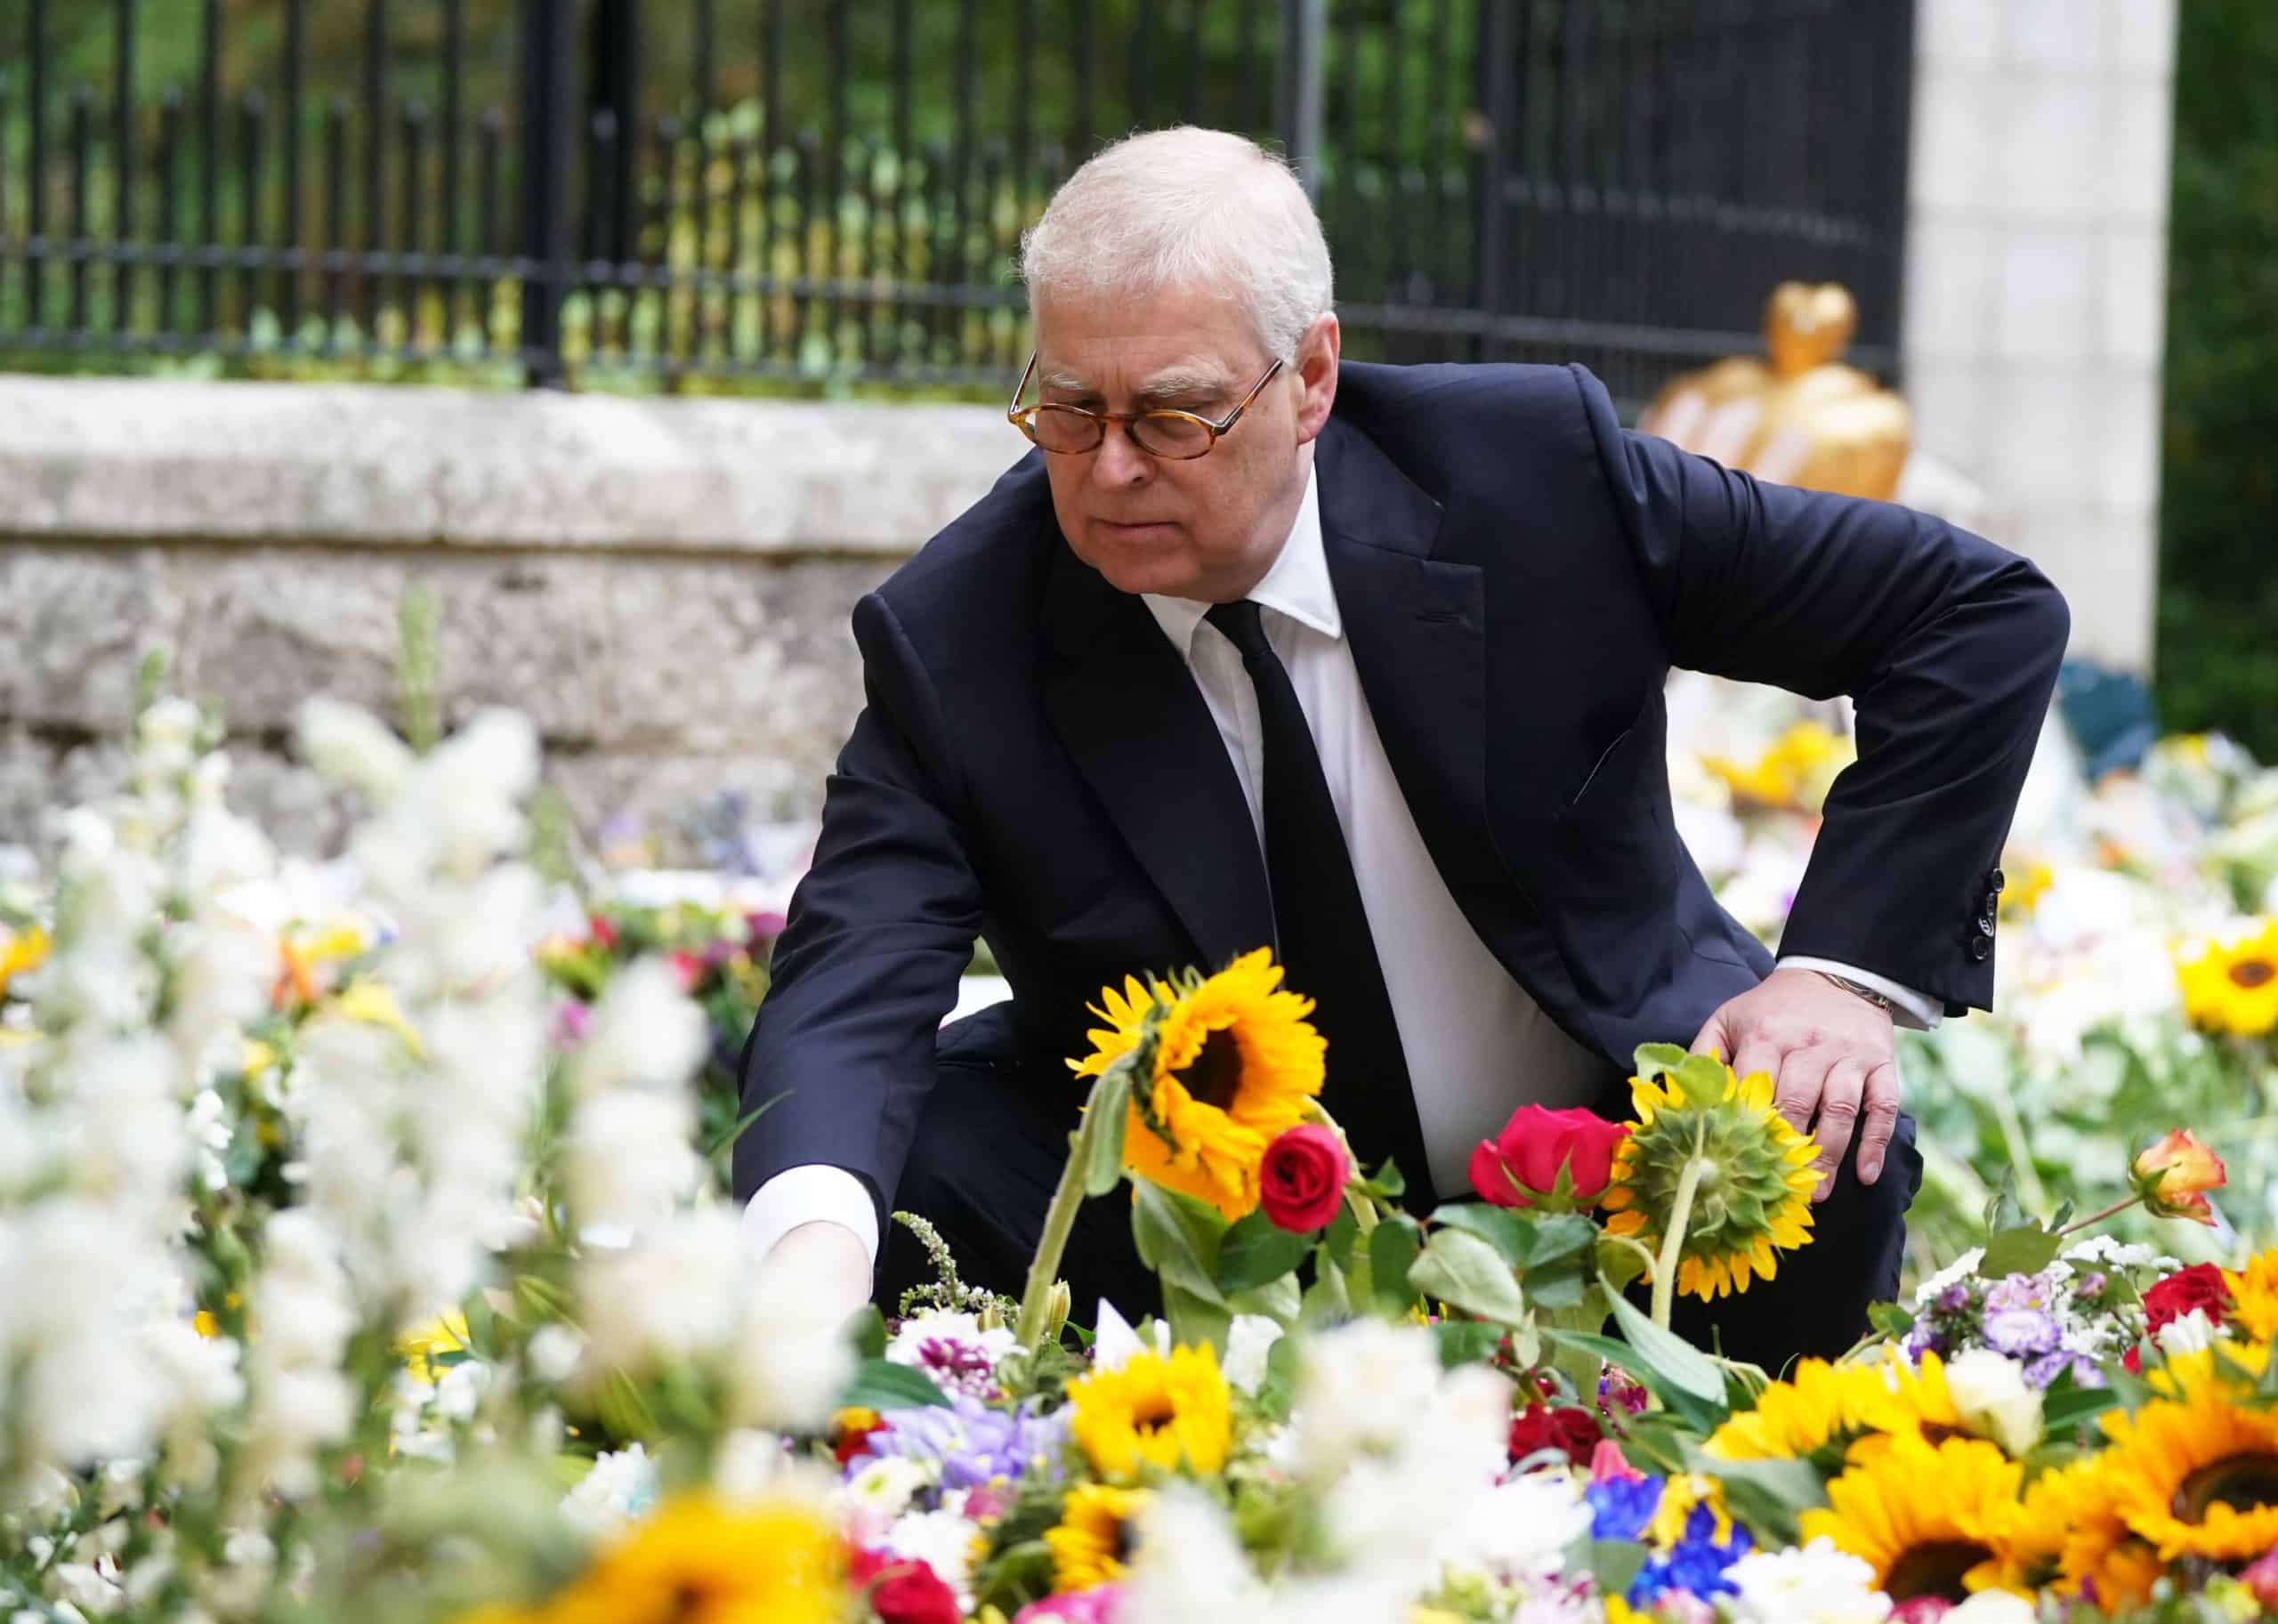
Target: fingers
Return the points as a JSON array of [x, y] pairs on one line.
[[1879, 1111], [1796, 1076], [1839, 1113], [1711, 1039]]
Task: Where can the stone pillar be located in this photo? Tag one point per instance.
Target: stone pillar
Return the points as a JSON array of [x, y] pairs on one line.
[[2036, 284]]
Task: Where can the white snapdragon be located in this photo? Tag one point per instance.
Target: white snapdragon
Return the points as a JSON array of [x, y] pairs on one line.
[[300, 1401], [1812, 1584], [619, 1488], [1994, 1401]]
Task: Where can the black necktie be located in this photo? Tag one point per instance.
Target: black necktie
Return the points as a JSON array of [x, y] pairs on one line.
[[1325, 944]]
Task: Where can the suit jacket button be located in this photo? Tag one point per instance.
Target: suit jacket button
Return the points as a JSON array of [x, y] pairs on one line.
[[1990, 918], [1981, 946], [1997, 880]]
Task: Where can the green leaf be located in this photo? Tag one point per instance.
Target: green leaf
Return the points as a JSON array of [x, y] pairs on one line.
[[1560, 1236], [867, 1329], [1194, 1318], [1890, 1319], [1275, 1392], [726, 1141], [1388, 1183], [1462, 1270], [1616, 1563], [2065, 1407], [1343, 1229], [879, 1383], [1466, 1341], [1256, 1252], [1769, 1496], [1104, 1121], [2027, 1249], [1506, 1230], [1278, 1300], [1698, 1417], [1393, 1248], [1617, 1264], [1653, 1059], [1550, 1289], [1178, 1237], [1676, 1361]]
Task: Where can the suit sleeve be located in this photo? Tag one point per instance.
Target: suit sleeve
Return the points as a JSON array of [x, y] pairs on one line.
[[1947, 644], [880, 932]]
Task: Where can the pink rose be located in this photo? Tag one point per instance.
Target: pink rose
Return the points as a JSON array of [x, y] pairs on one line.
[[1302, 1180], [1520, 1167]]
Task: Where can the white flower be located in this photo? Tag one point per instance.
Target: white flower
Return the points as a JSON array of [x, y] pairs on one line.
[[1816, 1584], [1360, 1391], [1249, 1341], [943, 1541], [1520, 1530], [1114, 1341], [1994, 1400], [1960, 1269], [85, 1586], [647, 1034], [2191, 1333], [952, 1348], [619, 1487], [348, 744], [628, 1161], [884, 1487], [555, 1351], [1994, 1607]]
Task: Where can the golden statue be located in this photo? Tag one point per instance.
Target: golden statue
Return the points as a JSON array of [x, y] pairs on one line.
[[1806, 419]]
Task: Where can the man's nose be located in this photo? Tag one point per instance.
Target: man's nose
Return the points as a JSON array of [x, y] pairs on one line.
[[1119, 461]]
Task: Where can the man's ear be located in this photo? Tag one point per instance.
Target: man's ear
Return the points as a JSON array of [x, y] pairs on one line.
[[1316, 370]]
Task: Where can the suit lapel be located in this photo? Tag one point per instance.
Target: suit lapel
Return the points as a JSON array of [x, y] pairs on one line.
[[1127, 708], [1417, 629]]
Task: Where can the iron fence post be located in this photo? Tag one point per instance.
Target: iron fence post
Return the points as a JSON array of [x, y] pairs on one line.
[[545, 140], [1297, 87]]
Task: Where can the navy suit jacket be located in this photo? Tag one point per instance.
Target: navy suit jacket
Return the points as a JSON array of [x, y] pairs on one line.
[[1517, 575]]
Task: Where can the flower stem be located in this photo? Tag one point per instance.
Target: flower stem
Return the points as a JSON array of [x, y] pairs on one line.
[[1688, 1184], [2120, 1206], [1059, 1219], [1364, 1208]]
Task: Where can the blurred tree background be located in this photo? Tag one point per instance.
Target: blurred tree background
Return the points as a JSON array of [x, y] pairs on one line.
[[2218, 523]]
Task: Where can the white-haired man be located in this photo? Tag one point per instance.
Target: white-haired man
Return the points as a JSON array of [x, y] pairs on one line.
[[1367, 663]]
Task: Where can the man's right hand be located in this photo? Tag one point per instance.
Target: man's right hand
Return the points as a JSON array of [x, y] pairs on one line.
[[822, 1256]]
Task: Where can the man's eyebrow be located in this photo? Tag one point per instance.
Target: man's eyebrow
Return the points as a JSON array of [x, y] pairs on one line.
[[1173, 384]]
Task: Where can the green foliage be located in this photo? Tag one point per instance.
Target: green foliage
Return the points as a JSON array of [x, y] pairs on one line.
[[2218, 596]]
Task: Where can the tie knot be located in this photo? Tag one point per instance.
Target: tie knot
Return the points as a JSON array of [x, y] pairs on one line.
[[1243, 628]]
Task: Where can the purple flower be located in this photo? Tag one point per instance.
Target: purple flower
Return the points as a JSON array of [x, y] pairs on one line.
[[1621, 1507], [974, 1443], [2019, 1291], [1954, 1298], [2019, 1332], [2048, 1367]]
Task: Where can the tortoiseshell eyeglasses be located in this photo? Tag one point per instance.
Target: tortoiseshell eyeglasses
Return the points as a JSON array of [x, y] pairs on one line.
[[1071, 431]]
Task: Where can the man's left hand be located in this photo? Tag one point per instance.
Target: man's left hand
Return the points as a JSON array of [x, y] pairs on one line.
[[1829, 1053]]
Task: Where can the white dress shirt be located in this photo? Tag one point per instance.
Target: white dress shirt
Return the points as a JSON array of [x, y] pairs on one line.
[[1477, 1046]]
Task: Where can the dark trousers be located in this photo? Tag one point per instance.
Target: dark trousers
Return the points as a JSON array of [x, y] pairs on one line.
[[989, 1148]]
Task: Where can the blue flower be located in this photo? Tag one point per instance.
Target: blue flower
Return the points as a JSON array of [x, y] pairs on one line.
[[974, 1443], [1695, 1565], [1621, 1507]]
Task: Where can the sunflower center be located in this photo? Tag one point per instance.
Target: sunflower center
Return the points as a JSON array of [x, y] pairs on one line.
[[1122, 1540], [1152, 1413], [2241, 1481], [1934, 1568], [2254, 971], [1217, 1074]]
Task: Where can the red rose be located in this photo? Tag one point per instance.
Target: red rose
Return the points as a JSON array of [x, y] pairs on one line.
[[1302, 1179], [1572, 1431], [602, 930], [2200, 1286], [1520, 1167], [903, 1590]]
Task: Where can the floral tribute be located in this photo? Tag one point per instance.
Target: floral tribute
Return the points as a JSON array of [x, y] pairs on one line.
[[363, 1256]]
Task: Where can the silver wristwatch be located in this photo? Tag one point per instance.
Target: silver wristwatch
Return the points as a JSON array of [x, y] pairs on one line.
[[1856, 990]]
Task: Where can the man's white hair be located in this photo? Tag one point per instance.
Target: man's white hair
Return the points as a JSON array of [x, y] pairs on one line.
[[1187, 209]]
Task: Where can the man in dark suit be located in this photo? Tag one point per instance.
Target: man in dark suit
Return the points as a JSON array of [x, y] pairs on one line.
[[1366, 663]]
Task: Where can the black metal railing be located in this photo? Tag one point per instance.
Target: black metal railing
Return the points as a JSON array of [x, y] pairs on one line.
[[820, 192]]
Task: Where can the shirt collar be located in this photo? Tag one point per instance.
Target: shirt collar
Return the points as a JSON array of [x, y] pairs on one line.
[[1297, 585]]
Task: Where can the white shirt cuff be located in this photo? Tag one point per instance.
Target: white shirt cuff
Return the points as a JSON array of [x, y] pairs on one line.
[[805, 1195], [1914, 1010]]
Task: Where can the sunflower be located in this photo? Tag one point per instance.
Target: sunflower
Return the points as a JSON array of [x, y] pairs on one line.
[[1797, 771], [1840, 1407], [1756, 1180], [1154, 1412], [2232, 986], [2067, 1534], [22, 954], [1092, 1545], [1928, 1517], [2194, 1471], [2254, 1296], [1235, 1063], [701, 1560]]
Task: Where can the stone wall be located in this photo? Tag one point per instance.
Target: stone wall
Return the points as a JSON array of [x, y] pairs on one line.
[[2036, 278], [663, 585]]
